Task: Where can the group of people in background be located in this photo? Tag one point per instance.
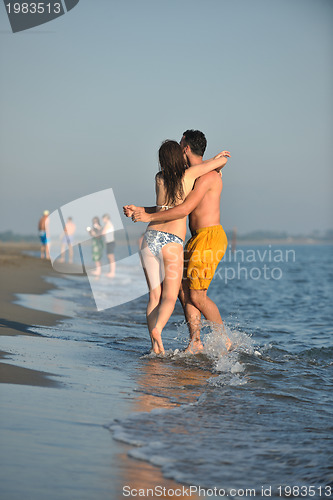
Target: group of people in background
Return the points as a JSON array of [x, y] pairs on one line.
[[102, 236]]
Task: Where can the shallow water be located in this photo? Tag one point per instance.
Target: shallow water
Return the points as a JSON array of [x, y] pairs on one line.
[[260, 415]]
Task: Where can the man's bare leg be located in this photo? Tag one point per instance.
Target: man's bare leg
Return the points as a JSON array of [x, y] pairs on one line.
[[70, 254], [62, 252], [193, 318], [209, 309], [112, 264]]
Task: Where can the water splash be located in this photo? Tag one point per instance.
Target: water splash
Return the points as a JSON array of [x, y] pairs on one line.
[[227, 359], [223, 352]]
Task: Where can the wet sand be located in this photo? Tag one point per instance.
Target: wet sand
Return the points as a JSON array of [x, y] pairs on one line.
[[21, 273], [54, 443]]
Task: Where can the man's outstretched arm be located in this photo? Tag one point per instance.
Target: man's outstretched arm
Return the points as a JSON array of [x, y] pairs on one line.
[[182, 210], [129, 209]]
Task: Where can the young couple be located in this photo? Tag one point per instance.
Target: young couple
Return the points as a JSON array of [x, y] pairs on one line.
[[185, 185], [102, 235]]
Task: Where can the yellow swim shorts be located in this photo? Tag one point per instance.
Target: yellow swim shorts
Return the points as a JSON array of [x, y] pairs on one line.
[[203, 252]]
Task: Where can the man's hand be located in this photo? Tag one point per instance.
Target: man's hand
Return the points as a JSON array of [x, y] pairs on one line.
[[139, 214], [129, 209]]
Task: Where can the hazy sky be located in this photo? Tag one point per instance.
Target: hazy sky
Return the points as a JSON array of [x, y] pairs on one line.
[[87, 99]]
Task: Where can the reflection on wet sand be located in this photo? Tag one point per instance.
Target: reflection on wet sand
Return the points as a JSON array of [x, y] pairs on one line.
[[160, 385], [167, 380], [138, 475]]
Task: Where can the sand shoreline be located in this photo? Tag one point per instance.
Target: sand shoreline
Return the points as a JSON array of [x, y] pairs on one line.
[[20, 273], [36, 402]]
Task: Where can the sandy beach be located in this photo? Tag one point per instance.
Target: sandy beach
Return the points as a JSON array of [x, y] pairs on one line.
[[20, 273], [55, 407]]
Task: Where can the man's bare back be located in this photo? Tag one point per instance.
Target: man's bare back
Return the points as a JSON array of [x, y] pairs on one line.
[[207, 212]]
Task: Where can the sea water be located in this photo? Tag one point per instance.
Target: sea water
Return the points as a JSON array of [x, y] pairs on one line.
[[259, 416]]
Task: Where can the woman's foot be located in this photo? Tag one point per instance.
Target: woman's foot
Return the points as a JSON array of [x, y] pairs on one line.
[[110, 275], [157, 341]]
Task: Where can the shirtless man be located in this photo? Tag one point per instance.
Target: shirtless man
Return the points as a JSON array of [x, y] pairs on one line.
[[43, 230], [67, 238], [208, 244]]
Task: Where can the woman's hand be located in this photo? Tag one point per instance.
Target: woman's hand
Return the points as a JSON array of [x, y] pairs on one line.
[[128, 210], [223, 153], [139, 214]]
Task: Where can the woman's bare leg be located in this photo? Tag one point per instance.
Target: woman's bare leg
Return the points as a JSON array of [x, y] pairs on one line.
[[151, 268], [152, 311], [172, 254]]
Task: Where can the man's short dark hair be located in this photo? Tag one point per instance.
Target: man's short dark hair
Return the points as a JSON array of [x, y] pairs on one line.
[[196, 140]]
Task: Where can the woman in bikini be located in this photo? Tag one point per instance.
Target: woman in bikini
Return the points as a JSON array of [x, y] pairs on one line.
[[162, 245]]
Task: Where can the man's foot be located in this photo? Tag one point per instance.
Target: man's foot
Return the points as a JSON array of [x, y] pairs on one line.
[[228, 344], [110, 275], [157, 341], [194, 347]]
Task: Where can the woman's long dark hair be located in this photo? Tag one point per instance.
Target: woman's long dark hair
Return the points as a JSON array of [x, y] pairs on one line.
[[173, 167]]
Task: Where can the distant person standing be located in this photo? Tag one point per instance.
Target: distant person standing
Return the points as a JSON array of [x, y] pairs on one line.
[[108, 232], [97, 244], [67, 239], [43, 235]]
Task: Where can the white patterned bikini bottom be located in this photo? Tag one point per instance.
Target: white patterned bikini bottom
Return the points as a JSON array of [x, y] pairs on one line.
[[156, 240]]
